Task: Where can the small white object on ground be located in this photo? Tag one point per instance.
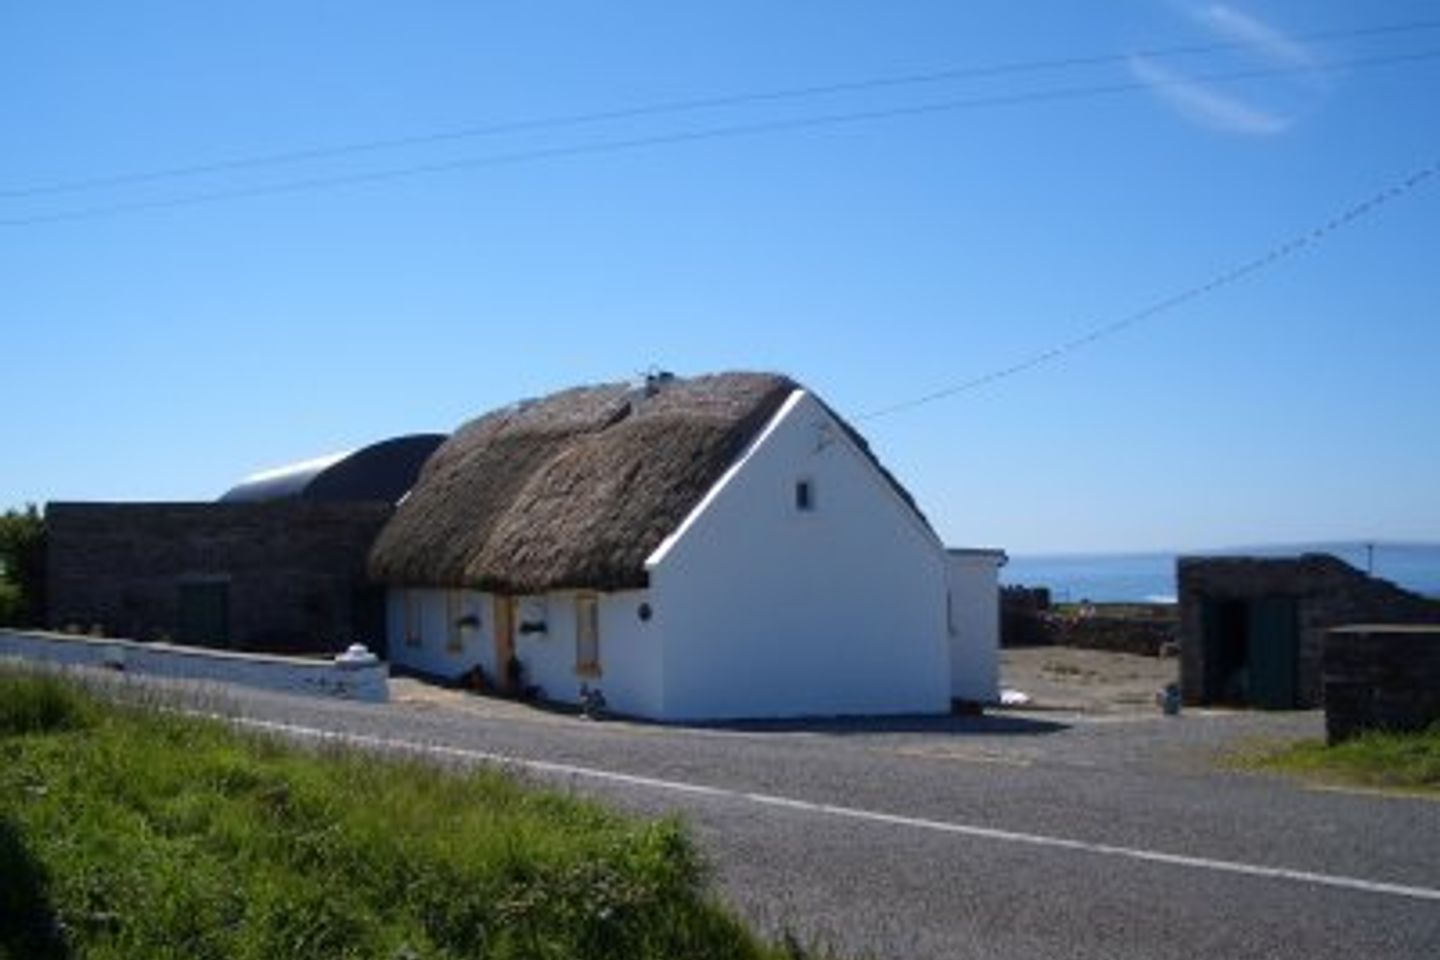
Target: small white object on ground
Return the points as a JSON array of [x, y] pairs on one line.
[[1014, 698], [356, 655]]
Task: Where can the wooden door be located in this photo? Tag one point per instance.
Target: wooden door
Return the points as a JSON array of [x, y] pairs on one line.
[[1274, 653], [504, 620]]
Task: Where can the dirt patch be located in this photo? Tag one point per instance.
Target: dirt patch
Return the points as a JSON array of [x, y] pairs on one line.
[[1092, 681]]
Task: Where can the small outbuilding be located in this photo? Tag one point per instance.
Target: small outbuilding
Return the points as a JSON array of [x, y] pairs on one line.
[[1252, 629], [709, 548], [973, 616]]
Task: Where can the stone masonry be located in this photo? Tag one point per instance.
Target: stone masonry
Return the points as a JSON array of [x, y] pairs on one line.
[[1381, 677], [295, 570], [1328, 593]]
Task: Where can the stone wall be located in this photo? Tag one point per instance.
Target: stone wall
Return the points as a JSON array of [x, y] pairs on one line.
[[1024, 617], [1328, 593], [1143, 634], [295, 570], [1028, 619], [1381, 678], [352, 680]]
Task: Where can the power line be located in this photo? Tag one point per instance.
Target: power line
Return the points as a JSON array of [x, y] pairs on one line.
[[676, 106], [1231, 276], [695, 136]]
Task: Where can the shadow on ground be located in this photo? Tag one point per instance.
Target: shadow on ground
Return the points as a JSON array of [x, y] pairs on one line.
[[29, 926], [993, 724]]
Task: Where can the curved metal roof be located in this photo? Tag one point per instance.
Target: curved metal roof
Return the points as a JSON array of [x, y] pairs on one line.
[[382, 471]]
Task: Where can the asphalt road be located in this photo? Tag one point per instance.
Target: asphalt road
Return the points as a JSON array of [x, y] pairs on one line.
[[1029, 836]]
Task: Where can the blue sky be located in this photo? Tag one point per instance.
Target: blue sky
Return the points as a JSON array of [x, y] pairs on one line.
[[164, 351]]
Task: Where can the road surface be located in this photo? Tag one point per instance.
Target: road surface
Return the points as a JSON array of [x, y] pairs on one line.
[[1027, 836]]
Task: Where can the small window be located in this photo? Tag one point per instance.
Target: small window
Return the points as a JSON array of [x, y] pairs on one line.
[[587, 635], [413, 611], [804, 496]]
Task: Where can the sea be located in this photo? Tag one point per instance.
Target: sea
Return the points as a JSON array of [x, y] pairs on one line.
[[1150, 577]]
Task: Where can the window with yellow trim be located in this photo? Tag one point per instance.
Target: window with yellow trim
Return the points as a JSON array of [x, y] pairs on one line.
[[587, 635]]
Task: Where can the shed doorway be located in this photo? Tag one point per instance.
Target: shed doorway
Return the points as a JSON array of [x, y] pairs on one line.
[[1252, 649]]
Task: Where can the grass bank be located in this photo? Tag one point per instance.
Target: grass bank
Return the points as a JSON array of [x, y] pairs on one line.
[[129, 834], [1388, 761]]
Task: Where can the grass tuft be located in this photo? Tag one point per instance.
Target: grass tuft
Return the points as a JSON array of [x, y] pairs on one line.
[[40, 703], [1380, 760], [127, 834]]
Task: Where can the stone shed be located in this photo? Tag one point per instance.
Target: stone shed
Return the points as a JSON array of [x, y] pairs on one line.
[[286, 576], [276, 566], [1252, 629]]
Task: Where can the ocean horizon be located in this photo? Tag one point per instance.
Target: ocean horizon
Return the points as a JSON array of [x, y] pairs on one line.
[[1149, 577]]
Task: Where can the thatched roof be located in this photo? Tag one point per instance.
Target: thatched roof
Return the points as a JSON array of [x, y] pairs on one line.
[[575, 489]]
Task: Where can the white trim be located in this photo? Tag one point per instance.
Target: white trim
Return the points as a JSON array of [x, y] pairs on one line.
[[657, 556], [869, 462]]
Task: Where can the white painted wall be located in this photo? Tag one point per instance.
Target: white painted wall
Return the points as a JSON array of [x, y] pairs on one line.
[[432, 655], [630, 654], [769, 611], [974, 578], [630, 651]]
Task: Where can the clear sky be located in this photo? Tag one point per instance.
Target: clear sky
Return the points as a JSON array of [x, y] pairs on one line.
[[161, 345]]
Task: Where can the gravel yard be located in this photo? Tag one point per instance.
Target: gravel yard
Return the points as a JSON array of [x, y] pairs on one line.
[[1086, 681]]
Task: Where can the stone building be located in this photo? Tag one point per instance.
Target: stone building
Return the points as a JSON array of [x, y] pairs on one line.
[[1252, 629], [278, 565]]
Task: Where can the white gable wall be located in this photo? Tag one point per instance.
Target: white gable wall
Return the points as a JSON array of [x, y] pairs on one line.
[[768, 610], [974, 577]]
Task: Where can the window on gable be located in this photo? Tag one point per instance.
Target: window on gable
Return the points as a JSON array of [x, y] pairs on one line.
[[587, 635], [804, 496]]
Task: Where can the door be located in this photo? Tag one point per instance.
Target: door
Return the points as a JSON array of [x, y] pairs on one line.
[[1274, 653], [504, 621], [204, 619]]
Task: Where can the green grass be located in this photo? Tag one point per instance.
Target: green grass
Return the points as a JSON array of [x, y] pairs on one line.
[[1387, 761], [129, 833]]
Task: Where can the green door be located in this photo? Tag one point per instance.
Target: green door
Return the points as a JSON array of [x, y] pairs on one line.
[[1274, 653], [205, 613]]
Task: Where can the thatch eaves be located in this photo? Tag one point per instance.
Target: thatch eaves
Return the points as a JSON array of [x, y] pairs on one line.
[[574, 490]]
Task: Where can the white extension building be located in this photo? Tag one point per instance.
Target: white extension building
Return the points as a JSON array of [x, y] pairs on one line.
[[700, 549]]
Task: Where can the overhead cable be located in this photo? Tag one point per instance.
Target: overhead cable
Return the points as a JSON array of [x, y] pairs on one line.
[[1231, 276], [707, 134], [681, 106]]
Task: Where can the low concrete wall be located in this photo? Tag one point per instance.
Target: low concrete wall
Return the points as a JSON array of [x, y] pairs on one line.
[[366, 681], [1381, 678]]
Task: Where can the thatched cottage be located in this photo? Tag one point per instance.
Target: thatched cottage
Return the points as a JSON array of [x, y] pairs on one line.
[[716, 547]]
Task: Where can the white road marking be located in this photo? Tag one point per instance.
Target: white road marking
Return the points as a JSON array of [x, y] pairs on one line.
[[851, 813]]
